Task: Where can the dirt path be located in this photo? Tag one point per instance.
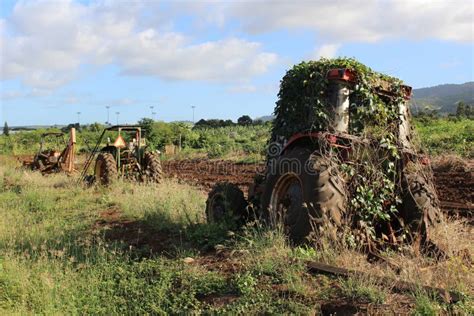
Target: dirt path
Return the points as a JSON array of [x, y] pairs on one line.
[[455, 188]]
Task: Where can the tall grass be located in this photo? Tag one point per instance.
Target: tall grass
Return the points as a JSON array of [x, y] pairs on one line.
[[69, 249]]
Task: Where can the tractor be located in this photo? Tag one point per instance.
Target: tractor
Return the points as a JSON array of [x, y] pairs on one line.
[[126, 157], [54, 160], [341, 162]]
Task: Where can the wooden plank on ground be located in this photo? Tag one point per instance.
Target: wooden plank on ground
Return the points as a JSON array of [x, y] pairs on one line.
[[397, 285]]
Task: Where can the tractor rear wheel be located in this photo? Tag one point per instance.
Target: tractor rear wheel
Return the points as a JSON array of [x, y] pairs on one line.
[[420, 209], [105, 168], [304, 192], [226, 202], [152, 167]]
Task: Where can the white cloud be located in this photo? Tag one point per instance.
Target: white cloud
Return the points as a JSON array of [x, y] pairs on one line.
[[361, 20], [327, 51], [243, 88], [44, 44], [10, 95]]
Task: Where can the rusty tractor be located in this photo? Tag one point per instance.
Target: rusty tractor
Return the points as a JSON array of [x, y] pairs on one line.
[[304, 188], [55, 160], [126, 157]]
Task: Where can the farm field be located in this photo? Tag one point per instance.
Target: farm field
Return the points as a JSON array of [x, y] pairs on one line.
[[455, 184], [135, 248], [236, 158]]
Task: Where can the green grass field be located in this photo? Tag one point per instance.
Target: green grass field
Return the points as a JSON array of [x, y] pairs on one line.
[[136, 249], [445, 136]]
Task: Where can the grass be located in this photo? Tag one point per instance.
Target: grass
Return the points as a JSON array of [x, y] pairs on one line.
[[67, 249], [364, 289], [447, 136]]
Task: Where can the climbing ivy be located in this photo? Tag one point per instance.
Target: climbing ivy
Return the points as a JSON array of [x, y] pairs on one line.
[[372, 174], [303, 103]]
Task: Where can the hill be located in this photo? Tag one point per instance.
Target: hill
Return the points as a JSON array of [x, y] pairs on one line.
[[443, 98]]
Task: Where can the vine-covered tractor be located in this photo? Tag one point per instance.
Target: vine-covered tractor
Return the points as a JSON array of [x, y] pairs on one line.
[[126, 157], [342, 162]]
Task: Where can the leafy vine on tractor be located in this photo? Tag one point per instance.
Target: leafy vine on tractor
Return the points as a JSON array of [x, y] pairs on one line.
[[342, 161]]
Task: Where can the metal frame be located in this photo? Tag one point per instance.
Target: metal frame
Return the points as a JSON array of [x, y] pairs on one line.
[[55, 134], [115, 128]]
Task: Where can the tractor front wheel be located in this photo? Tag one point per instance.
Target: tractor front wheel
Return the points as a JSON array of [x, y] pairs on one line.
[[226, 202], [105, 168]]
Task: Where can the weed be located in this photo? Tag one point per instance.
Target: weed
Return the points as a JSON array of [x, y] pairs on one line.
[[245, 283], [425, 305], [363, 289]]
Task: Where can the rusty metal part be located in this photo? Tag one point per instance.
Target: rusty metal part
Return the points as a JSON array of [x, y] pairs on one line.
[[397, 285], [52, 160]]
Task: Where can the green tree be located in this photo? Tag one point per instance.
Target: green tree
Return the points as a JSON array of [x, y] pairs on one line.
[[461, 109], [95, 127], [6, 130], [244, 120], [469, 111], [67, 128], [147, 127], [228, 123]]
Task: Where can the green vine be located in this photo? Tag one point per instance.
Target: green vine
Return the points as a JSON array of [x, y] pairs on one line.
[[372, 174]]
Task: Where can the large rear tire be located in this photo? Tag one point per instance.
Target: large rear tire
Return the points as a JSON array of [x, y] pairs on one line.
[[305, 193], [105, 169], [153, 170], [420, 209], [226, 203]]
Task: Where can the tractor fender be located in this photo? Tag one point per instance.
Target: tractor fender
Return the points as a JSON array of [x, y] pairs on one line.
[[110, 149], [308, 138]]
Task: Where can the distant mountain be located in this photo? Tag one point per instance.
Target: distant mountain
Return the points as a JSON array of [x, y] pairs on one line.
[[443, 98], [265, 118]]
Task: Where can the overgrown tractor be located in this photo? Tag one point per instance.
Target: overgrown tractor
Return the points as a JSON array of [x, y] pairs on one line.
[[126, 157], [53, 159], [342, 162]]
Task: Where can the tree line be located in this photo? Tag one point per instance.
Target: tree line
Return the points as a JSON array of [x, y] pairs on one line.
[[244, 120], [463, 110]]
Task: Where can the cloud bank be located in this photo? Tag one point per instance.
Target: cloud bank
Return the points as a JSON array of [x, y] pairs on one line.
[[44, 44], [361, 20]]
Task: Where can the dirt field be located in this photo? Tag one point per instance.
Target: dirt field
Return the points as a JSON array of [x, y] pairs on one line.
[[455, 187]]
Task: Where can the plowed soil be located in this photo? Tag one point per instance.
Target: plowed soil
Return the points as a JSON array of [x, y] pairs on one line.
[[455, 187], [206, 173]]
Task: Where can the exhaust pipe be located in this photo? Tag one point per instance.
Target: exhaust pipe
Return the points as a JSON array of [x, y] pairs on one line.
[[340, 81]]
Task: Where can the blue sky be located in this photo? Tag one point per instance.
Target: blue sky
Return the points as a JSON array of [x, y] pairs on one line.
[[226, 58]]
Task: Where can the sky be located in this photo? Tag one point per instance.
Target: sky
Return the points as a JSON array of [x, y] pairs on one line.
[[225, 58]]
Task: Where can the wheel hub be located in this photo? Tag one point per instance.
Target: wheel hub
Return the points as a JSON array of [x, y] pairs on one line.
[[287, 202]]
